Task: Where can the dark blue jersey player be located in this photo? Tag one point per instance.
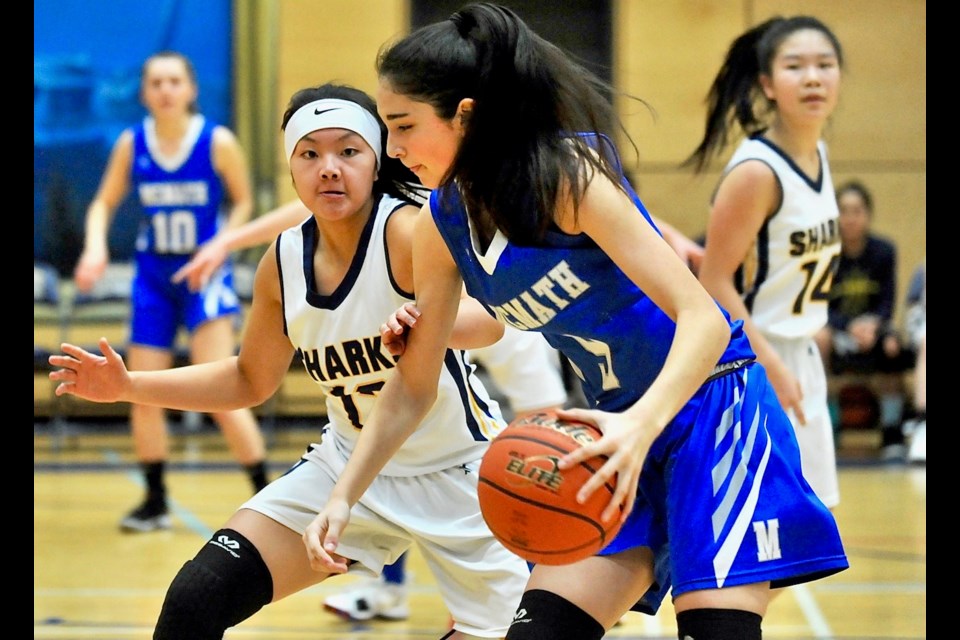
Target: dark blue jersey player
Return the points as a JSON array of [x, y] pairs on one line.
[[181, 167], [543, 230]]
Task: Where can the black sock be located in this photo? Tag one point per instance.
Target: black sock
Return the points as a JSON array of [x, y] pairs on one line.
[[153, 474], [718, 624], [258, 475], [891, 435]]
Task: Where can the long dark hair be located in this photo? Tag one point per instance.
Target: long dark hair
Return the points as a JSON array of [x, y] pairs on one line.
[[736, 92], [393, 178], [530, 99]]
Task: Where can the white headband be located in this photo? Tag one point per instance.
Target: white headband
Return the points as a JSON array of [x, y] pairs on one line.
[[331, 113]]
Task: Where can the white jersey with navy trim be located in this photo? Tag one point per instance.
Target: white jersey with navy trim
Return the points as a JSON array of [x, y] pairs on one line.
[[785, 279], [338, 338]]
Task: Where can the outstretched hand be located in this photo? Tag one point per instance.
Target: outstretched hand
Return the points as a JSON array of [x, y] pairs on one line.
[[89, 376], [393, 332]]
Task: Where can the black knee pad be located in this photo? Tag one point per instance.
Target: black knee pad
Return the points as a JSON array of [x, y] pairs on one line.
[[718, 624], [225, 583], [543, 615]]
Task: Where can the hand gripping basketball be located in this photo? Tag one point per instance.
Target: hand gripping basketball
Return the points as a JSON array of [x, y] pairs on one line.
[[531, 505]]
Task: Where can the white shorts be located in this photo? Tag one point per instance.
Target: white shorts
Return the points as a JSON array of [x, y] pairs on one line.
[[818, 455], [480, 581], [525, 368]]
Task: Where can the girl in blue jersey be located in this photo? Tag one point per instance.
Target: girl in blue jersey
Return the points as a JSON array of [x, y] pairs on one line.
[[773, 242], [322, 290], [181, 167], [531, 211]]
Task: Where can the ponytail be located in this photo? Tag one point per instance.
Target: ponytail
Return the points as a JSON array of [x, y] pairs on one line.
[[736, 92]]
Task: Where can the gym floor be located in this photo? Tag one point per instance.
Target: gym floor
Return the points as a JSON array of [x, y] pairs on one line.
[[96, 582]]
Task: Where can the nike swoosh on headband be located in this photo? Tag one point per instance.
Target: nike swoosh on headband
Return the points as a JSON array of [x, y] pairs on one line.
[[332, 113]]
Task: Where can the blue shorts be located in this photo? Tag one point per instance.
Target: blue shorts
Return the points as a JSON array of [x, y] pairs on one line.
[[160, 307], [722, 501]]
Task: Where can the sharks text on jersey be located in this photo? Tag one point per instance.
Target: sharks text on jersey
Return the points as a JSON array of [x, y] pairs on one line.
[[814, 239], [348, 358]]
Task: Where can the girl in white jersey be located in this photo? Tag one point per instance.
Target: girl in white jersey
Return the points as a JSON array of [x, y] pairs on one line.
[[323, 288], [772, 241], [522, 365]]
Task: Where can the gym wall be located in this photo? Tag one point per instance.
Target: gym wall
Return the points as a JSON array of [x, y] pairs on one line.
[[667, 53]]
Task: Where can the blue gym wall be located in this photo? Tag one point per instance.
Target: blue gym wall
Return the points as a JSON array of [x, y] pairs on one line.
[[87, 56]]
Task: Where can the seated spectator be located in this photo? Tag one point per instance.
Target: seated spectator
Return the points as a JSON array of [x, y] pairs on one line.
[[859, 337], [916, 332]]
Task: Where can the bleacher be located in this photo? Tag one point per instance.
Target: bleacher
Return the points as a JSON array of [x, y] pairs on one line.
[[60, 314]]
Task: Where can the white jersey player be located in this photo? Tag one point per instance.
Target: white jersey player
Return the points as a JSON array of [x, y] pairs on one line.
[[772, 239], [323, 289]]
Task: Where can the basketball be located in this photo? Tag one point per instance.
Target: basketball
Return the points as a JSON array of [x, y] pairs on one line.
[[530, 505]]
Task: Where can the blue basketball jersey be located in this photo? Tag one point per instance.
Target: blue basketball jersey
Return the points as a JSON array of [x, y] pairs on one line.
[[569, 289], [180, 194], [721, 499]]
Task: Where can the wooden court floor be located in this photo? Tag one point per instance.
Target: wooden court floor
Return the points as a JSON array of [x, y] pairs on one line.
[[93, 582]]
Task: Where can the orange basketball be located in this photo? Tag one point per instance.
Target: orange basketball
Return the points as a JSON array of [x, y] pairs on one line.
[[530, 505]]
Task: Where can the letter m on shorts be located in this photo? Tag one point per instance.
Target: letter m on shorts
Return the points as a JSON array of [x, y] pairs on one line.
[[768, 539]]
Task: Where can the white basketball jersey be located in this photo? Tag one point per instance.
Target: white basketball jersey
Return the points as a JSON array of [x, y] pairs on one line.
[[785, 279], [338, 338]]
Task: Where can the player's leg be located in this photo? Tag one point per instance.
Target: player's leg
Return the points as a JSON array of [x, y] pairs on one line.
[[824, 341], [584, 599], [250, 562], [734, 613], [153, 327], [148, 427], [259, 557], [741, 517], [214, 340], [815, 438], [920, 377], [889, 359], [917, 453]]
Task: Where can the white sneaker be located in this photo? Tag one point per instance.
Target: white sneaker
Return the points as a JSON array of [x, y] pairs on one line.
[[370, 599], [917, 453]]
